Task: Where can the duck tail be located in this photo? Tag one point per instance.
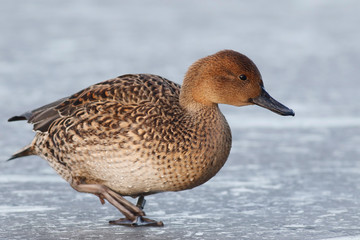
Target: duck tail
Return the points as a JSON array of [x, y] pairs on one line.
[[26, 151]]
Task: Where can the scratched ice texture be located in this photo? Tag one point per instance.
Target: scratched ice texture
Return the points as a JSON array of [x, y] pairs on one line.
[[286, 178]]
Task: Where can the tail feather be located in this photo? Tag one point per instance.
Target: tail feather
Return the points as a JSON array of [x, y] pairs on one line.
[[26, 151], [24, 116], [16, 118]]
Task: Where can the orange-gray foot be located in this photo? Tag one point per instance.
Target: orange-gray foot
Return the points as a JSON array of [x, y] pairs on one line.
[[138, 222]]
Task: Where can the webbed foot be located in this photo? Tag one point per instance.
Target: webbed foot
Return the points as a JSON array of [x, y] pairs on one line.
[[138, 222]]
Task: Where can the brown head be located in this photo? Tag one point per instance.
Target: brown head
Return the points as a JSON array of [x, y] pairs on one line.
[[226, 77]]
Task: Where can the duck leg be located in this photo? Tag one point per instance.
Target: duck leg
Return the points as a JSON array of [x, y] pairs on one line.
[[139, 220], [130, 211]]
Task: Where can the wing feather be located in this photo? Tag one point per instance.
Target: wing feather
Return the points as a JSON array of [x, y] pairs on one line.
[[127, 89]]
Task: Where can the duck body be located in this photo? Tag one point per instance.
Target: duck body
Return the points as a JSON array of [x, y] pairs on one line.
[[131, 135], [140, 134]]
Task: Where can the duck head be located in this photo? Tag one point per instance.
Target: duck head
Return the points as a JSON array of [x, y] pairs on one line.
[[227, 77]]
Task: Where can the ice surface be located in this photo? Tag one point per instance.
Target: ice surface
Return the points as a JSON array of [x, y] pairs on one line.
[[286, 178]]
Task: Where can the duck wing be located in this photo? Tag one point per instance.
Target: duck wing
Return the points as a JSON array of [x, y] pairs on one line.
[[126, 89]]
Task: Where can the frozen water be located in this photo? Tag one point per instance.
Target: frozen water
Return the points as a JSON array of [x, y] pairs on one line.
[[286, 178]]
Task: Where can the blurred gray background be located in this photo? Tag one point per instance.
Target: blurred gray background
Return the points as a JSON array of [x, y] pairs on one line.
[[286, 178]]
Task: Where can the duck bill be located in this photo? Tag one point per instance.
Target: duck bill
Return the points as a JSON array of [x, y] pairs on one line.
[[266, 101]]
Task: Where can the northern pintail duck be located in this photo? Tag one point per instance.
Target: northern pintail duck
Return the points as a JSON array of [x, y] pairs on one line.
[[140, 134]]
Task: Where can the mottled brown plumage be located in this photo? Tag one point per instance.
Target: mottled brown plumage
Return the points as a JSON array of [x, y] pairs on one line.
[[140, 134]]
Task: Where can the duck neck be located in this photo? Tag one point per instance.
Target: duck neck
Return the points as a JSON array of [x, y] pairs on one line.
[[193, 95], [188, 103]]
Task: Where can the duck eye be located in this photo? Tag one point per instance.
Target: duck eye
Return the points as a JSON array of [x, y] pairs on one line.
[[243, 77]]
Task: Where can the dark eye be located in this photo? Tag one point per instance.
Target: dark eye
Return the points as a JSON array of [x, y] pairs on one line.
[[243, 77]]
